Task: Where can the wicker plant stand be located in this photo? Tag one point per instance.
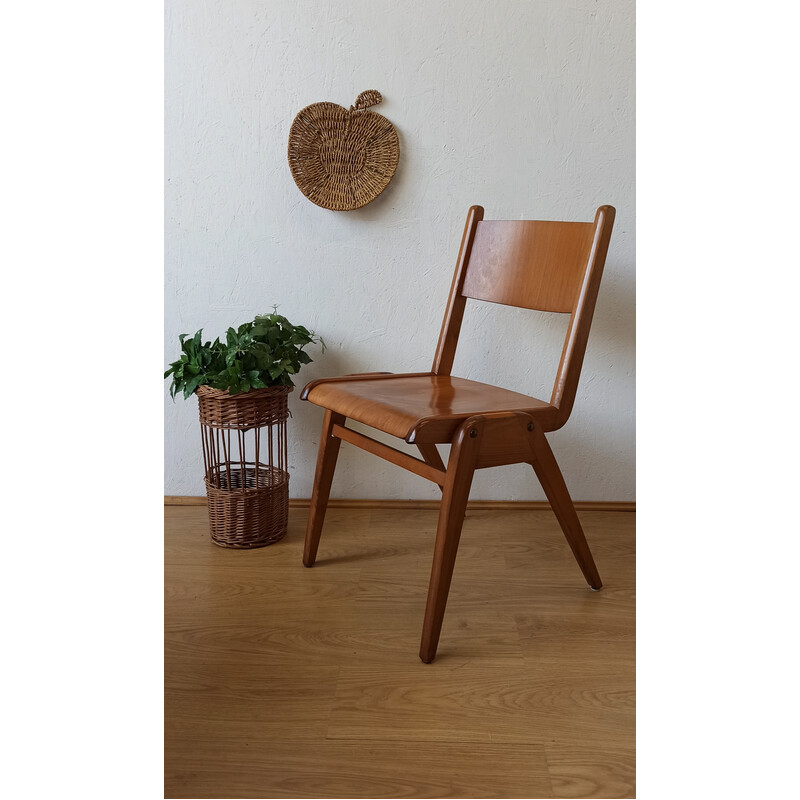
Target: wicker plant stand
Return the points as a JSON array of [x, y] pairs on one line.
[[244, 453]]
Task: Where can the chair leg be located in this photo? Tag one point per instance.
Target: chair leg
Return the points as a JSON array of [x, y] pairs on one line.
[[326, 465], [460, 469], [555, 489], [431, 455]]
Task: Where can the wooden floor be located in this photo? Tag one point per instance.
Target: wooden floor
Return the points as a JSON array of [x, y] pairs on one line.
[[283, 681]]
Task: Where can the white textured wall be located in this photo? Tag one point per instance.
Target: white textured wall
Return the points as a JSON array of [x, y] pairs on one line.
[[523, 106]]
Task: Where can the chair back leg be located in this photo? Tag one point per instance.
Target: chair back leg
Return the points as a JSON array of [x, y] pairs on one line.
[[326, 466], [549, 474], [432, 457], [455, 493]]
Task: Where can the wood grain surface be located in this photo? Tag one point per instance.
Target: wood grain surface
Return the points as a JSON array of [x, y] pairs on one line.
[[282, 681], [401, 404], [529, 264]]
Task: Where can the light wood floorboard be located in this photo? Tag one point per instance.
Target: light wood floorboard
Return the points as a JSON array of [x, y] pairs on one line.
[[282, 681]]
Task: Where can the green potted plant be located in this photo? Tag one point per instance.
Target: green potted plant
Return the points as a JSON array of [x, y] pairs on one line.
[[242, 386], [259, 354]]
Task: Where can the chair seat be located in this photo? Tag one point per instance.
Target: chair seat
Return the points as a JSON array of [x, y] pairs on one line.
[[420, 408]]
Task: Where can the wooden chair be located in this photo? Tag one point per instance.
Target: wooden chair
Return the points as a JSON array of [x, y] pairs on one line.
[[548, 266]]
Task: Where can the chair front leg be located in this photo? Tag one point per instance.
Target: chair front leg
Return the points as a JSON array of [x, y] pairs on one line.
[[326, 465], [455, 493]]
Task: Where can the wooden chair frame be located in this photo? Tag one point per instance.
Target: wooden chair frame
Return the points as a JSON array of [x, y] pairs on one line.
[[489, 438]]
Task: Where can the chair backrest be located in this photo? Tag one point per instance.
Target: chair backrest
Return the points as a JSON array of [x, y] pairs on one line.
[[542, 265]]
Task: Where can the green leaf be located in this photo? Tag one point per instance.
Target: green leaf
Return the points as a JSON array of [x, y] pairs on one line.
[[193, 384]]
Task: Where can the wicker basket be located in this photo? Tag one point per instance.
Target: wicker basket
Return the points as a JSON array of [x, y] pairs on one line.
[[244, 453], [340, 158]]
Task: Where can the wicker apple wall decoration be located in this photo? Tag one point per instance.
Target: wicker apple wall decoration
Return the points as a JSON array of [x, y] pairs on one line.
[[340, 158]]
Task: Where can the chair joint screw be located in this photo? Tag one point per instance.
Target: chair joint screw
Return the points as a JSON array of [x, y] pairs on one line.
[[530, 426], [473, 433]]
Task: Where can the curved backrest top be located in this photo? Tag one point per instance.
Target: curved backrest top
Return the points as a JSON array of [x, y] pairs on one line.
[[529, 263]]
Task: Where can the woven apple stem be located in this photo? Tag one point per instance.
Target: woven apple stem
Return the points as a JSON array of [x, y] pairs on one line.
[[366, 99]]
